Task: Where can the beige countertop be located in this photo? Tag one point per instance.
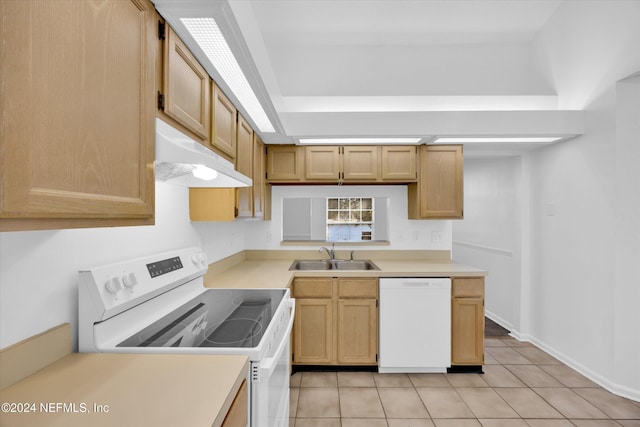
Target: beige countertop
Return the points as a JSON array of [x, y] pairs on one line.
[[89, 389], [262, 269]]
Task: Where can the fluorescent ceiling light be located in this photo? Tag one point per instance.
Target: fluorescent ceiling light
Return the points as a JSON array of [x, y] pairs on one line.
[[359, 140], [206, 33], [546, 139]]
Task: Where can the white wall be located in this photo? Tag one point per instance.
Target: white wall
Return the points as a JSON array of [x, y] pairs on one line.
[[38, 269], [403, 233], [577, 294], [490, 235], [576, 289]]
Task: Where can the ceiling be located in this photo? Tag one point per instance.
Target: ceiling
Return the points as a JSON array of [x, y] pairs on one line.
[[391, 68]]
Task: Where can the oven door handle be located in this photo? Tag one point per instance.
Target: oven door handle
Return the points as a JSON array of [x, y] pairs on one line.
[[270, 363]]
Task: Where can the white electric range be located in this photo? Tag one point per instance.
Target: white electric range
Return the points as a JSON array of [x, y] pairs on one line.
[[158, 304]]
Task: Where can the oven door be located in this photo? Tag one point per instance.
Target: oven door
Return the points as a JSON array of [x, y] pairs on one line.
[[270, 381]]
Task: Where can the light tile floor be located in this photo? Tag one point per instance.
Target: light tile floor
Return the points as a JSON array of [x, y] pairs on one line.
[[522, 387]]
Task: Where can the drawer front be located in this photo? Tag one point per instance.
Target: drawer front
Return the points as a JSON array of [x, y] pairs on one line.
[[313, 287], [468, 287], [358, 288]]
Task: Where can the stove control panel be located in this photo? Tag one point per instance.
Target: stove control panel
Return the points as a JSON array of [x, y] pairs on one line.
[[116, 287]]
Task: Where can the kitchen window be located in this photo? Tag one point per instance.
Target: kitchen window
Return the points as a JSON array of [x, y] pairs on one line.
[[350, 219]]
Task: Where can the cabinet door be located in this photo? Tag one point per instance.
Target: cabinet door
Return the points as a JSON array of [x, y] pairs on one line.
[[313, 331], [357, 331], [238, 414], [322, 163], [467, 331], [186, 87], [78, 106], [244, 165], [360, 163], [399, 163], [223, 124], [259, 182], [441, 180], [284, 163]]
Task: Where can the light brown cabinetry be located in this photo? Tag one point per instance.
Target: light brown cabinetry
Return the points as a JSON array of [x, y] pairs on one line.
[[399, 163], [360, 163], [336, 164], [237, 416], [261, 189], [285, 163], [467, 321], [78, 102], [244, 165], [186, 87], [322, 163], [223, 135], [438, 194], [336, 321]]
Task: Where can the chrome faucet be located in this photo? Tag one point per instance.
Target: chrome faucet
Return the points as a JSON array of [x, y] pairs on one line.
[[331, 252]]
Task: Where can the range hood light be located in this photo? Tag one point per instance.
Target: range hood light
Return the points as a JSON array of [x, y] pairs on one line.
[[183, 161], [205, 173]]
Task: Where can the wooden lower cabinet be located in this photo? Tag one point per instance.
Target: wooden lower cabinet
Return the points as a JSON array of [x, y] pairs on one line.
[[467, 321], [336, 321], [313, 331], [357, 331], [238, 413]]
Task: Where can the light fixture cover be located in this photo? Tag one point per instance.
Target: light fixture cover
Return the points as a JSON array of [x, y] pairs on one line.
[[347, 141], [206, 33], [472, 139]]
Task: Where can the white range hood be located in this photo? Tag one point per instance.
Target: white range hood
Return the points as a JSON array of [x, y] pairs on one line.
[[179, 159]]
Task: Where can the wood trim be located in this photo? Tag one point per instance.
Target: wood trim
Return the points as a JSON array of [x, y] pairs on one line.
[[22, 359], [238, 413], [468, 287], [313, 287], [357, 287]]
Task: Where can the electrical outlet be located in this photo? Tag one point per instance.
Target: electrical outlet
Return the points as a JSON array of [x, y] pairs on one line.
[[416, 236], [269, 236], [436, 236]]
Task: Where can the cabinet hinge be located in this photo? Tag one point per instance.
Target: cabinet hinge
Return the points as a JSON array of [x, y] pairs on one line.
[[376, 357], [235, 212], [162, 30], [160, 101]]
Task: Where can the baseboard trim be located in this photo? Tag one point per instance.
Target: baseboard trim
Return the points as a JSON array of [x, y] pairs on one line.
[[499, 320], [611, 386]]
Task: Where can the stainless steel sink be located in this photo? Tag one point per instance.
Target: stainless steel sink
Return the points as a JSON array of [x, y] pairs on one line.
[[300, 264], [310, 265], [354, 265]]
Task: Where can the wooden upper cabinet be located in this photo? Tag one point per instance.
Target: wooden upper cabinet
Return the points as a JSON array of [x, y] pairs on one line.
[[260, 191], [342, 164], [438, 193], [78, 107], [284, 163], [186, 87], [360, 163], [244, 165], [223, 136], [322, 163], [399, 163]]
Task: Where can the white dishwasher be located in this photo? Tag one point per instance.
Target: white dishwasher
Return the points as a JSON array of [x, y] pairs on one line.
[[415, 324]]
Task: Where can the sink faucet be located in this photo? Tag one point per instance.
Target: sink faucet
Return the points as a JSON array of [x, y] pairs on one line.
[[331, 252]]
